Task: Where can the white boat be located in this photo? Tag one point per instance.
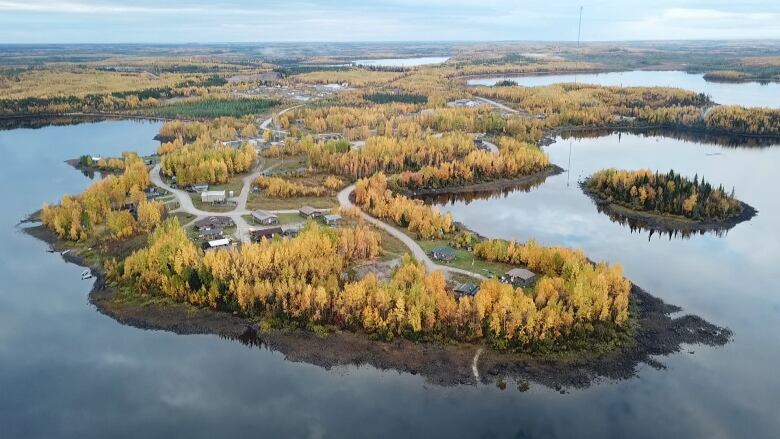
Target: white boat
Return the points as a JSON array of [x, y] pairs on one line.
[[86, 274]]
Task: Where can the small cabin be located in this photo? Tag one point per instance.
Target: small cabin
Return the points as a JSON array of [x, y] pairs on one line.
[[519, 277], [213, 222], [215, 232], [466, 289], [267, 233], [445, 254], [309, 212], [332, 219], [263, 217], [213, 196], [292, 229]]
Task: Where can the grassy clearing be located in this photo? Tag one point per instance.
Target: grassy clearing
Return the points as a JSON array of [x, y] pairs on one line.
[[392, 247], [466, 260], [183, 217], [260, 201], [288, 164]]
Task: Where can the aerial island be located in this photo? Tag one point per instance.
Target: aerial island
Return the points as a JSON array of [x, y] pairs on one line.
[[263, 217], [666, 201]]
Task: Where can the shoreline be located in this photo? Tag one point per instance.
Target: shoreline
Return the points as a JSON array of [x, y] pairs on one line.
[[494, 185], [668, 223], [550, 136], [652, 331]]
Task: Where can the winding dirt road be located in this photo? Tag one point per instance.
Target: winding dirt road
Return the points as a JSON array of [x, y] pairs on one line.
[[243, 228], [415, 248]]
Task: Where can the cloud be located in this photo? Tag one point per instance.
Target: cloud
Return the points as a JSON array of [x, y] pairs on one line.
[[692, 23], [86, 8], [379, 20]]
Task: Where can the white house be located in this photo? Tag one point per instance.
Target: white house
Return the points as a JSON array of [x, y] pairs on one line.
[[212, 196], [219, 243]]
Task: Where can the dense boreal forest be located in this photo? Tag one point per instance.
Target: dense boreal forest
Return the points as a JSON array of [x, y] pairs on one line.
[[373, 195], [277, 187], [301, 279], [214, 107], [391, 154], [196, 163], [592, 105], [197, 154], [513, 160], [56, 92], [106, 207], [668, 193]]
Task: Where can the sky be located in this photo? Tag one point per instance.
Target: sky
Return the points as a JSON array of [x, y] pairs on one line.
[[199, 21]]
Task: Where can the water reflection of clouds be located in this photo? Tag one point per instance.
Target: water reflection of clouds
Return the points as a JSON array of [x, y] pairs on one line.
[[68, 371]]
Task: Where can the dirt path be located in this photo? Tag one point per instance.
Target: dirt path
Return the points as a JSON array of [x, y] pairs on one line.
[[474, 369], [242, 227], [415, 248], [497, 105]]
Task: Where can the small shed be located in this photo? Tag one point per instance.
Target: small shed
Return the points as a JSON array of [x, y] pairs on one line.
[[292, 229], [213, 197], [263, 217], [267, 233], [466, 289], [519, 276], [309, 212], [445, 254], [198, 188], [332, 219]]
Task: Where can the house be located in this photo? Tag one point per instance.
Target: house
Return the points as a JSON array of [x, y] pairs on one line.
[[292, 229], [199, 188], [215, 232], [214, 222], [445, 254], [267, 233], [466, 289], [213, 197], [218, 243], [519, 277], [332, 219], [263, 217], [152, 193], [309, 212]]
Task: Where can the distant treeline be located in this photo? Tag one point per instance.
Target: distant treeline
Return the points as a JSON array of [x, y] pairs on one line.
[[116, 101], [208, 108], [404, 98]]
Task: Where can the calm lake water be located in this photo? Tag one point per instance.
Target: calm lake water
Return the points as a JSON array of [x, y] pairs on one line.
[[750, 94], [401, 62], [67, 371]]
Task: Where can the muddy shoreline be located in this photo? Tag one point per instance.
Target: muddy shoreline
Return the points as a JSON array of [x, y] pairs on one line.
[[495, 185], [654, 331], [664, 223]]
